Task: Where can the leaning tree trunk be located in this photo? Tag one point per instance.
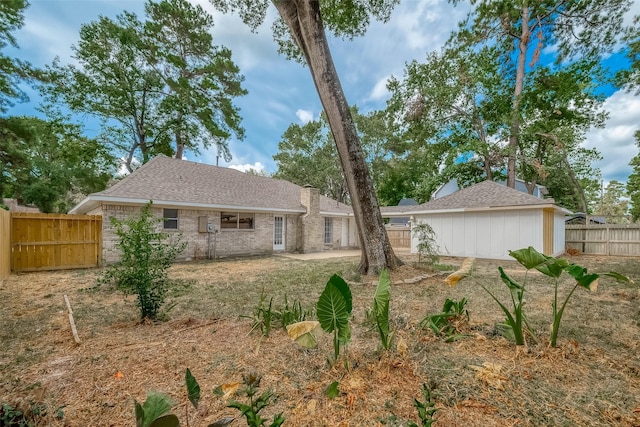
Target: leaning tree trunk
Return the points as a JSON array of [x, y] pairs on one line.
[[305, 23], [514, 133]]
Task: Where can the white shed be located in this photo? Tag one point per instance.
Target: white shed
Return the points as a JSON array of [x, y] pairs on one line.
[[487, 220]]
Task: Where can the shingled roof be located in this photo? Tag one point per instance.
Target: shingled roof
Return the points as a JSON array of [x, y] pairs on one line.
[[484, 195], [176, 182]]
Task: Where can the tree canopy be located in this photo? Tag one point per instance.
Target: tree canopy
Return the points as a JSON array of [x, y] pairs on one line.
[[159, 86]]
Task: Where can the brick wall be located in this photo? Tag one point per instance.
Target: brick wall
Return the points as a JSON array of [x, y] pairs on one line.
[[311, 224], [224, 243]]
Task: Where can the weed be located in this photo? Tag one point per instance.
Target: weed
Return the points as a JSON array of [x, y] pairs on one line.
[[449, 322], [426, 409], [251, 410], [262, 315]]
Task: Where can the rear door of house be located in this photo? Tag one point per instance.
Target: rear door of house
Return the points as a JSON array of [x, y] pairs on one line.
[[278, 233]]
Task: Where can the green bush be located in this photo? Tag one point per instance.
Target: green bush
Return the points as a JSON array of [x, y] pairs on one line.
[[146, 254]]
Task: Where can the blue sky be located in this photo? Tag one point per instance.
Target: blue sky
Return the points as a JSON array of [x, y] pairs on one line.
[[281, 92]]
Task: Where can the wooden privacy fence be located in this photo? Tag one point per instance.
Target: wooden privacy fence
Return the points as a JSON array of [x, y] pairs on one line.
[[5, 244], [400, 237], [607, 239], [55, 242]]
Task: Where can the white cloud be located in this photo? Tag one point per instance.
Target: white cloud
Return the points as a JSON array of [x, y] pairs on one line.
[[305, 116], [257, 166], [379, 91], [616, 141]]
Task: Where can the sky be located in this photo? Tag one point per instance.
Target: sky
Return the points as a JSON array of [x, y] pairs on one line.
[[281, 92]]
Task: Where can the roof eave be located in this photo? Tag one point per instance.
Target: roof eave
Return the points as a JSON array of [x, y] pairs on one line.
[[93, 201]]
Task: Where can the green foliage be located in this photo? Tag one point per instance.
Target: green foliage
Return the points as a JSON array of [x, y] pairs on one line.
[[334, 311], [265, 315], [516, 323], [380, 310], [164, 74], [49, 163], [426, 409], [427, 244], [449, 322], [193, 388], [633, 183], [32, 415], [291, 314], [553, 268], [152, 412], [146, 254], [332, 391], [256, 403]]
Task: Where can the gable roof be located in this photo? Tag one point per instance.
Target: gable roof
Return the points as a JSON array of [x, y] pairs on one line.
[[175, 182], [481, 196]]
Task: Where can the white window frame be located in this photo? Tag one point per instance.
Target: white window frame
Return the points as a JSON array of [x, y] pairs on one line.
[[328, 230]]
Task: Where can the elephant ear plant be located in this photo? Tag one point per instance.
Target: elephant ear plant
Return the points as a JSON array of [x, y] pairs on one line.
[[551, 267], [334, 311], [380, 309]]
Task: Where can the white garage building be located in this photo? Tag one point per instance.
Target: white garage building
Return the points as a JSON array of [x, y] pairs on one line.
[[487, 220]]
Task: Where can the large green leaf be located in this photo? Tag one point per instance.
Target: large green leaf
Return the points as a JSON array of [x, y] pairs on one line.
[[193, 388], [166, 421], [529, 257], [582, 277], [343, 287], [154, 407], [512, 284], [332, 309], [553, 267]]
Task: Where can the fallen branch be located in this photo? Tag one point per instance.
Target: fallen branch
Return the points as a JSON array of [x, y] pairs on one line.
[[74, 331]]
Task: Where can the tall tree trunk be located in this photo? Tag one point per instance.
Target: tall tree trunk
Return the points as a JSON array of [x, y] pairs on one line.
[[514, 135], [305, 23], [179, 141]]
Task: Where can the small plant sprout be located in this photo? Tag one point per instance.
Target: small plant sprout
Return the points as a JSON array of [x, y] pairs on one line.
[[450, 321], [251, 410], [426, 409]]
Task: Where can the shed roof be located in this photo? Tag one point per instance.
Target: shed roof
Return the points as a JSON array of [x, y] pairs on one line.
[[176, 182], [484, 195]]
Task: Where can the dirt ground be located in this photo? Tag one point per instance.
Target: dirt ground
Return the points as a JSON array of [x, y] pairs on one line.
[[592, 378]]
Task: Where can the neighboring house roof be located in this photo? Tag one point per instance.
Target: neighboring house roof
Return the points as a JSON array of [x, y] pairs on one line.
[[452, 186], [405, 219], [581, 218], [15, 206], [481, 196], [181, 183]]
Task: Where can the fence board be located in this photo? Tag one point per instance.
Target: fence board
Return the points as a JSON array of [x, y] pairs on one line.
[[5, 244], [399, 238], [613, 239], [55, 242]]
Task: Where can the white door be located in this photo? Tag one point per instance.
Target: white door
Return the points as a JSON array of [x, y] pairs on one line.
[[278, 233]]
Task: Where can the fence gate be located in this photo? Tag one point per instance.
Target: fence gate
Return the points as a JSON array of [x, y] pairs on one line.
[[55, 242], [399, 237]]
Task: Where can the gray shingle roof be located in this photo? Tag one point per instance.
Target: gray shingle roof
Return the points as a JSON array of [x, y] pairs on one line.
[[184, 182], [486, 194]]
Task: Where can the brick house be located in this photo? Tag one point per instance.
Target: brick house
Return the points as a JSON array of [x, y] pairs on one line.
[[223, 212]]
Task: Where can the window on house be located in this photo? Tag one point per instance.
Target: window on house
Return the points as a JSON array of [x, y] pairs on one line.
[[328, 230], [170, 219], [237, 220]]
